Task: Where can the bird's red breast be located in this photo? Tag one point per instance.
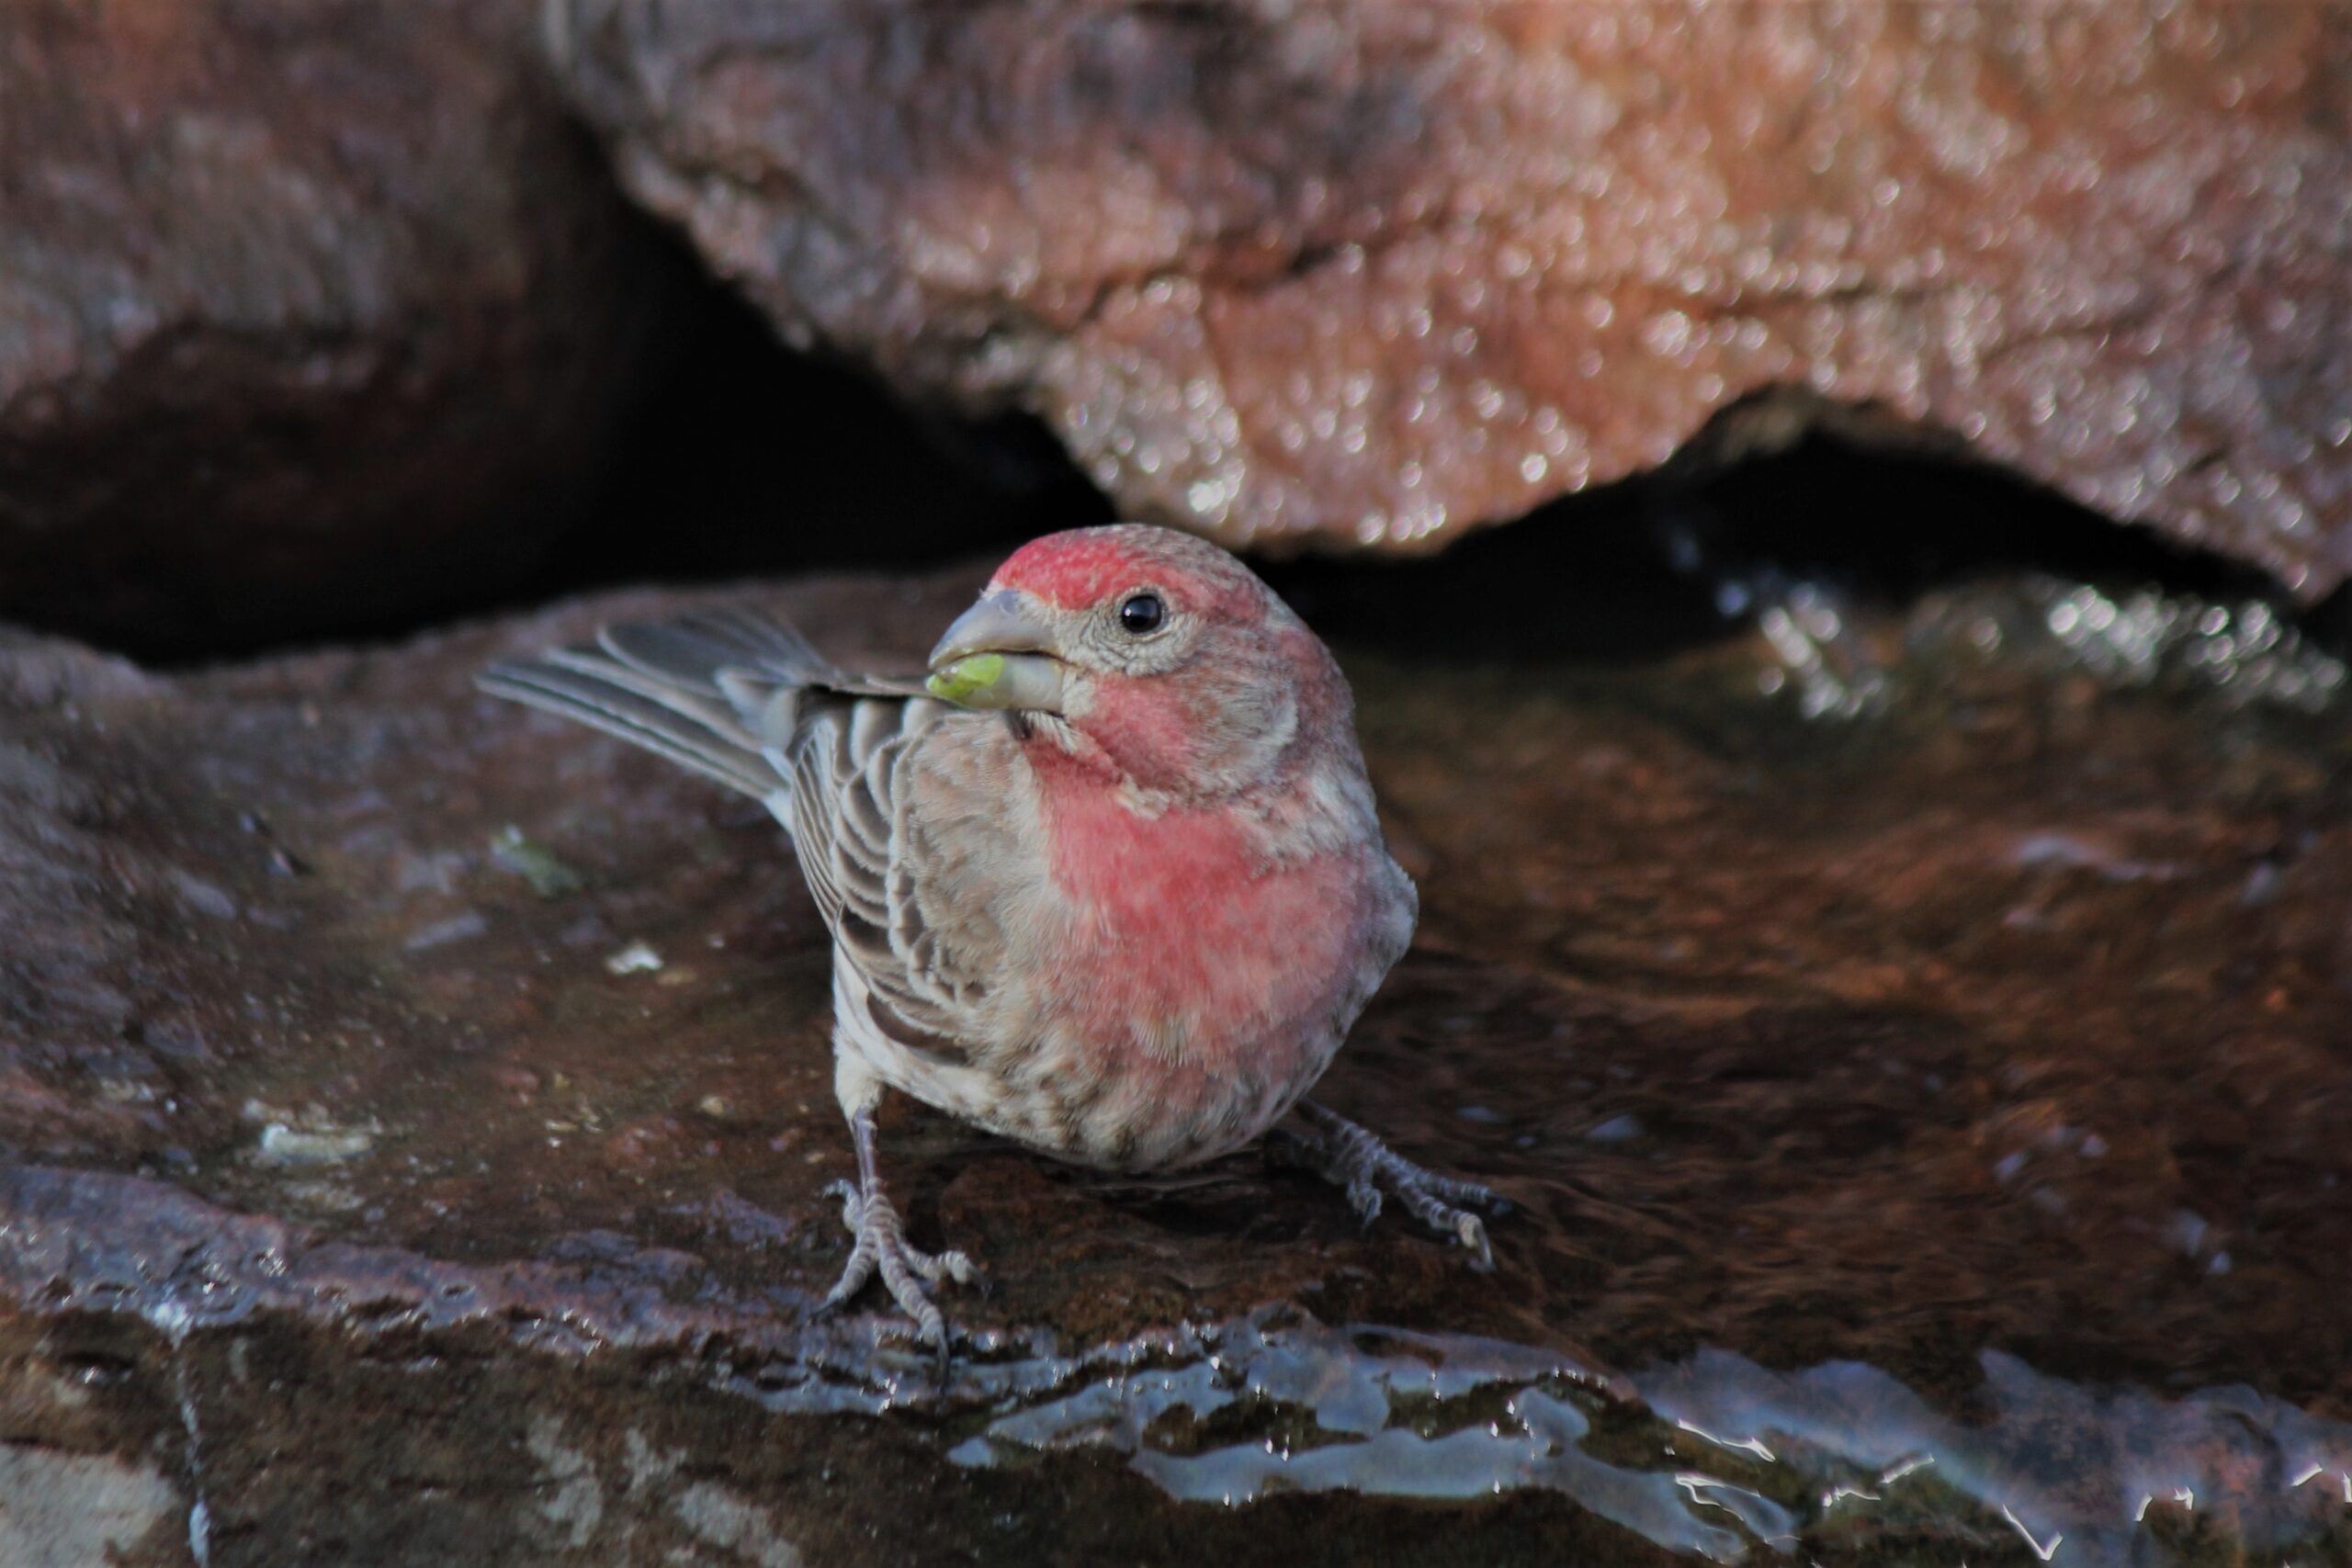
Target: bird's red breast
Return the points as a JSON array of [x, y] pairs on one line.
[[1186, 939]]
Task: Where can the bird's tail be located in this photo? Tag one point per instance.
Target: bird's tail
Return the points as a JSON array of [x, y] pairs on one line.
[[715, 691]]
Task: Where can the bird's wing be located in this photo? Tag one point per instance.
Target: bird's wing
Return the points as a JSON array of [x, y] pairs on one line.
[[893, 850], [717, 691], [906, 858]]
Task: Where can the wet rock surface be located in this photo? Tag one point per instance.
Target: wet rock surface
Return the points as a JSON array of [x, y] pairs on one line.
[[1367, 274], [1924, 1129], [312, 317]]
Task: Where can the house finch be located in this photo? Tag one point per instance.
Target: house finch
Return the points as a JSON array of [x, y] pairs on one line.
[[1109, 884]]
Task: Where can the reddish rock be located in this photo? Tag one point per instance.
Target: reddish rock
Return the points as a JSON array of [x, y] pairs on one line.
[[1374, 273], [357, 1205], [312, 315]]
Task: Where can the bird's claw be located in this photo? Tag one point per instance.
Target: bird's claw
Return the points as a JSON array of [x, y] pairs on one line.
[[907, 1273], [1361, 1163]]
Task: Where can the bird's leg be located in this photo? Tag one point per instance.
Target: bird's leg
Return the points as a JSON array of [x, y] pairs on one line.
[[881, 1239], [1360, 1162]]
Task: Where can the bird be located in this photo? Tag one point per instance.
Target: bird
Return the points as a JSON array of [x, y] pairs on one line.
[[1108, 882]]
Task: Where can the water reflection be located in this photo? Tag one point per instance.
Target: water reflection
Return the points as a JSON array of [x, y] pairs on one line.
[[1712, 1456]]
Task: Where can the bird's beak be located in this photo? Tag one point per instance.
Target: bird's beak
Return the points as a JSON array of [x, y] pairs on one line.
[[998, 654]]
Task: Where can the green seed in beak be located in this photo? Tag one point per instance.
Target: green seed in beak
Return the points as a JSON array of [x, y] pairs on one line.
[[969, 677], [1018, 682]]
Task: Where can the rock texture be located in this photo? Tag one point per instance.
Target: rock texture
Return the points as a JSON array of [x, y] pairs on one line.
[[1368, 273], [312, 315], [415, 1123]]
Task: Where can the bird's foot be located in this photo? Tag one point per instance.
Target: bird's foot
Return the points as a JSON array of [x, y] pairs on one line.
[[908, 1274], [1361, 1163]]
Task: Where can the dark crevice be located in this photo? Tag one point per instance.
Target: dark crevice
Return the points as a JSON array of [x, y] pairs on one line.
[[2329, 623], [750, 460], [1645, 567]]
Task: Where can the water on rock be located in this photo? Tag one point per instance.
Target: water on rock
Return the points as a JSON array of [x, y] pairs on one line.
[[1923, 1116]]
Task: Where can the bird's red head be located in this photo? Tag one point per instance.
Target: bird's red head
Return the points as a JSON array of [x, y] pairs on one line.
[[1087, 567], [1165, 658]]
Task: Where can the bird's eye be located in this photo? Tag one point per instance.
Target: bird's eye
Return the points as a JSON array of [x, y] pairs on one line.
[[1141, 614]]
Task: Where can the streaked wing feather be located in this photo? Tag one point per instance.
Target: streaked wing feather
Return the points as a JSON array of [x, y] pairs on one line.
[[590, 699], [714, 691], [855, 836]]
